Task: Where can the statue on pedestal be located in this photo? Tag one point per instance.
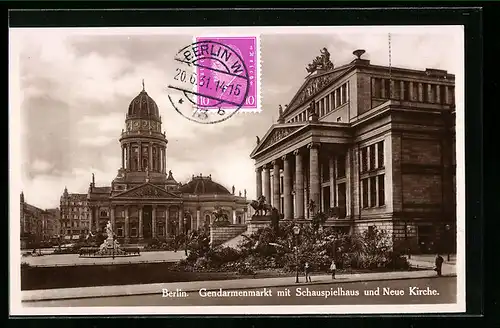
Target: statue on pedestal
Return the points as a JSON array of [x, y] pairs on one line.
[[260, 206]]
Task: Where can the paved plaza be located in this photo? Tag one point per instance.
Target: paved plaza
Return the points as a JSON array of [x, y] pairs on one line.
[[75, 259]]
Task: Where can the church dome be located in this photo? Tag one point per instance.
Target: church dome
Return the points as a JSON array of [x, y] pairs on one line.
[[143, 106], [203, 186]]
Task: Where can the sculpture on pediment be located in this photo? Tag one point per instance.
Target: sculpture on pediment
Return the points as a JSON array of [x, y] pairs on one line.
[[312, 108], [322, 62], [258, 140], [280, 110], [147, 192]]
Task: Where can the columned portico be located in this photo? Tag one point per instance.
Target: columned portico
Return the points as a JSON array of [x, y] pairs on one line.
[[267, 183], [299, 185], [314, 184], [287, 187], [258, 176], [276, 184]]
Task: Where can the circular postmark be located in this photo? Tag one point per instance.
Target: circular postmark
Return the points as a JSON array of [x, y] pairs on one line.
[[211, 82]]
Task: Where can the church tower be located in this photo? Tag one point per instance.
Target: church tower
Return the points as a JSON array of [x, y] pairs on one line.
[[143, 145]]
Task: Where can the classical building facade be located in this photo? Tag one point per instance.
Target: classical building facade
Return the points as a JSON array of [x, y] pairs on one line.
[[369, 146], [75, 215], [37, 224], [144, 200]]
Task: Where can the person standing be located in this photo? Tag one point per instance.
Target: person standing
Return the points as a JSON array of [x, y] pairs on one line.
[[307, 272], [333, 269], [439, 264]]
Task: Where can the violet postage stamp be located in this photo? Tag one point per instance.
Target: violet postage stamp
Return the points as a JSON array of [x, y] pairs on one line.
[[225, 170]]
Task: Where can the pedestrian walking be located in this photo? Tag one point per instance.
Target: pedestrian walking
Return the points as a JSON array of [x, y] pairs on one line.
[[307, 272], [333, 269], [439, 264]]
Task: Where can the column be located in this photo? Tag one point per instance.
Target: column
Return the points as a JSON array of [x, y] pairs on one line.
[[163, 160], [420, 92], [181, 220], [112, 215], [402, 90], [299, 185], [446, 95], [129, 156], [234, 216], [140, 222], [341, 95], [267, 183], [153, 222], [123, 157], [287, 188], [383, 92], [331, 170], [150, 161], [198, 218], [438, 94], [167, 214], [127, 221], [314, 174], [258, 180], [429, 93], [276, 184], [139, 167], [410, 92]]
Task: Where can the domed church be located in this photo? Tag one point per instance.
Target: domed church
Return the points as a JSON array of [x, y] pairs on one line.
[[144, 200]]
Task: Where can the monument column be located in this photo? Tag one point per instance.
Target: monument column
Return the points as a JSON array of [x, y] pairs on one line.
[[150, 161], [123, 157], [139, 167], [140, 222], [287, 188], [127, 221], [258, 176], [153, 222], [276, 185], [198, 214], [112, 214], [299, 185], [129, 156], [267, 184], [314, 183]]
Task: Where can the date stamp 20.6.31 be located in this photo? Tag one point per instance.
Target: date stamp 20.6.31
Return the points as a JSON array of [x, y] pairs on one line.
[[218, 77]]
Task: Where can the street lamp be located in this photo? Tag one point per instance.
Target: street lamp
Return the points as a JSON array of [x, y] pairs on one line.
[[447, 227], [296, 232], [407, 231]]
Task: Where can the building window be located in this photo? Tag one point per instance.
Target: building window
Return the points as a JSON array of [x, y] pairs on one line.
[[364, 159], [381, 190], [372, 157], [160, 229], [326, 171], [373, 191], [119, 232], [364, 187], [397, 90], [380, 154], [133, 232], [341, 166], [387, 88], [406, 90], [377, 88]]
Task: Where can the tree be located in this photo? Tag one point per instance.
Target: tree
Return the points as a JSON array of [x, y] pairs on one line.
[[318, 220]]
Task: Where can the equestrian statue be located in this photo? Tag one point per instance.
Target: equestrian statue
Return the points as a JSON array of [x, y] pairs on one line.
[[260, 206]]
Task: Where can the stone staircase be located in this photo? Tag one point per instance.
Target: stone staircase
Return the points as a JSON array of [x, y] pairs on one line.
[[220, 235]]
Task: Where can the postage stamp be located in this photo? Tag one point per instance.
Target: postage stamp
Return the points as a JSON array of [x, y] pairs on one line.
[[223, 170], [224, 81]]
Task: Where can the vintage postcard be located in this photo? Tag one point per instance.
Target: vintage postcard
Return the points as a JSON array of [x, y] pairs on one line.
[[224, 170]]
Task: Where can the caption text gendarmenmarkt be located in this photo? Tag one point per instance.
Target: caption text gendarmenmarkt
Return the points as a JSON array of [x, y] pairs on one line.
[[303, 292]]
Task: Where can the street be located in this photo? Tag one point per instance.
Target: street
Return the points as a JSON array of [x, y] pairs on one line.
[[404, 291]]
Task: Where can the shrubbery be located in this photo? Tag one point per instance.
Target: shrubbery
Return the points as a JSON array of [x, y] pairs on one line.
[[274, 249]]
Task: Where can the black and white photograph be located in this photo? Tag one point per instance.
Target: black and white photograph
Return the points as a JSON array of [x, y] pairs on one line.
[[237, 170]]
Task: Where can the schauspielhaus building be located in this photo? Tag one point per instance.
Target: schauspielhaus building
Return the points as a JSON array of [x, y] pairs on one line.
[[144, 201], [370, 146]]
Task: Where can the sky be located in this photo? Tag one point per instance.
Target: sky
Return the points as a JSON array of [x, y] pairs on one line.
[[74, 87]]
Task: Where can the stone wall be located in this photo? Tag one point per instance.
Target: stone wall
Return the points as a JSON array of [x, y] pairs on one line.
[[219, 235]]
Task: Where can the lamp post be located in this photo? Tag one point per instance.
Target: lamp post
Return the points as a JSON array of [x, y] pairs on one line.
[[447, 228], [407, 231], [296, 232]]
